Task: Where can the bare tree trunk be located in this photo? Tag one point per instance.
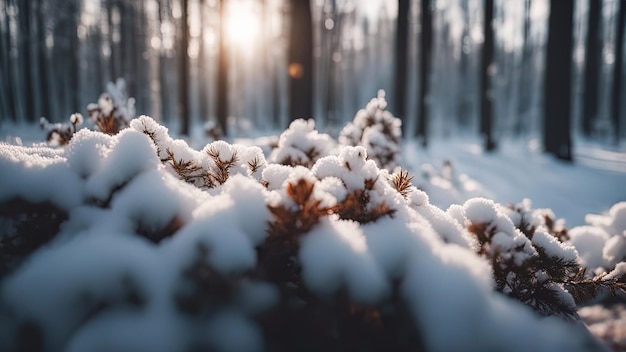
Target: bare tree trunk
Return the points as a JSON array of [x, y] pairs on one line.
[[203, 89], [7, 104], [222, 73], [25, 34], [402, 33], [425, 67], [300, 60], [557, 111], [592, 62], [486, 94], [183, 71], [163, 65], [42, 60], [618, 69], [523, 104]]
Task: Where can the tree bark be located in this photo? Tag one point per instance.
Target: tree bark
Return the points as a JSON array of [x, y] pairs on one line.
[[402, 33], [183, 71], [222, 73], [26, 38], [42, 61], [592, 53], [424, 72], [486, 94], [557, 98], [300, 60], [618, 70], [523, 104]]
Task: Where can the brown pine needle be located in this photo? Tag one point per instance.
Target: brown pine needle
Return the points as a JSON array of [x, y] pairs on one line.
[[402, 182]]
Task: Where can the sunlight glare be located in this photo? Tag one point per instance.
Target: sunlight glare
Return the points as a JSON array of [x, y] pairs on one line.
[[242, 24]]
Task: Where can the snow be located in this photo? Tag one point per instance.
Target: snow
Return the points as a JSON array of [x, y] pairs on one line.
[[301, 144], [103, 285], [335, 254], [553, 248], [120, 165], [518, 170], [614, 222], [589, 241]]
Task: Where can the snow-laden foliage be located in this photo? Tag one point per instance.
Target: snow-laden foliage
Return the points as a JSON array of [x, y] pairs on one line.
[[61, 133], [377, 130], [301, 144], [149, 245], [114, 109], [206, 168], [109, 115]]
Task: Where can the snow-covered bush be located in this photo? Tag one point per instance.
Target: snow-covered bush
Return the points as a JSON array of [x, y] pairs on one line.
[[114, 109], [61, 133], [207, 168], [301, 144], [377, 130], [531, 260], [159, 247], [110, 114]]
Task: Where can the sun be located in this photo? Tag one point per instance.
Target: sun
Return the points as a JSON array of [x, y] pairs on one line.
[[242, 23]]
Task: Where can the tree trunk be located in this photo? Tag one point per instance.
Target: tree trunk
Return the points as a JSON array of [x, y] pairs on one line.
[[618, 69], [557, 111], [523, 104], [8, 102], [402, 33], [203, 68], [183, 71], [486, 94], [300, 60], [25, 35], [424, 72], [592, 64], [42, 56], [222, 73]]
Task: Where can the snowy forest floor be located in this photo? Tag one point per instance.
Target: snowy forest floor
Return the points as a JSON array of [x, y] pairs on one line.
[[517, 170]]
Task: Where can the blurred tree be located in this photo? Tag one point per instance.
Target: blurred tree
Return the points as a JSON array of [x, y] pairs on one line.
[[557, 138], [183, 70], [24, 12], [7, 96], [424, 71], [300, 60], [42, 59], [618, 69], [222, 73], [203, 67], [524, 101], [402, 33], [592, 53], [463, 99], [487, 70], [65, 58]]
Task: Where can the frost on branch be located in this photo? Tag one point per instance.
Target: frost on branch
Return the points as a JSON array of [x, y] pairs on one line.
[[377, 130]]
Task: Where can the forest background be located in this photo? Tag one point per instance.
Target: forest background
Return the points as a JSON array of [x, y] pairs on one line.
[[550, 69]]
